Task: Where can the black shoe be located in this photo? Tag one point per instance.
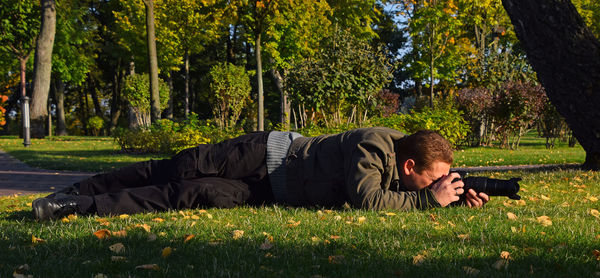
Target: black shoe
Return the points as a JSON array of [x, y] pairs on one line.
[[54, 208], [69, 190]]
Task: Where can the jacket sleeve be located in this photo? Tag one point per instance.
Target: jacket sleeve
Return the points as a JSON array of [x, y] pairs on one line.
[[364, 186]]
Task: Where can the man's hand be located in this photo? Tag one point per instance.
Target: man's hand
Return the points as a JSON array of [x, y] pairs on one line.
[[474, 200], [446, 191]]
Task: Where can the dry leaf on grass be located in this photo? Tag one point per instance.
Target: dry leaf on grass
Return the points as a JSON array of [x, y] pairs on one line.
[[596, 254], [595, 213], [100, 275], [102, 233], [148, 267], [505, 255], [124, 216], [511, 216], [544, 197], [158, 219], [36, 239], [336, 259], [544, 220], [291, 223], [166, 252], [361, 219], [463, 236], [237, 234], [187, 238], [117, 248], [418, 260], [118, 259]]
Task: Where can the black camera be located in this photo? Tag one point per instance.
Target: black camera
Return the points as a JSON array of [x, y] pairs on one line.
[[491, 187]]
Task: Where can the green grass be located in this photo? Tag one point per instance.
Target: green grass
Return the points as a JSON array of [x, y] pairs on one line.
[[75, 153], [315, 241], [532, 150]]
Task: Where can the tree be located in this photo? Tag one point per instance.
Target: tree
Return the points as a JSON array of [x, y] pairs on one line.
[[566, 57], [18, 32], [42, 69], [72, 57], [152, 62], [434, 27]]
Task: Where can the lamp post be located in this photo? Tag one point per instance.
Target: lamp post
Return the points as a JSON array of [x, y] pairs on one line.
[[25, 116]]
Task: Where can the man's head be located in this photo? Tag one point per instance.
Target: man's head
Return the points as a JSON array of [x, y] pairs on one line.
[[423, 157]]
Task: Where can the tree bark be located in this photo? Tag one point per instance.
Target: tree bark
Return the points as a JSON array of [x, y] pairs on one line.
[[95, 99], [115, 104], [169, 113], [285, 106], [152, 62], [186, 67], [42, 69], [59, 94], [566, 57], [261, 105]]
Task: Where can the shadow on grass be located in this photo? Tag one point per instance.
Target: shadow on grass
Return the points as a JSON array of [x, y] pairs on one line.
[[77, 253]]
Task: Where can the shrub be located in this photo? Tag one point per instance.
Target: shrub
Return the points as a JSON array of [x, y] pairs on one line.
[[136, 91], [95, 124], [230, 92], [167, 136], [448, 122]]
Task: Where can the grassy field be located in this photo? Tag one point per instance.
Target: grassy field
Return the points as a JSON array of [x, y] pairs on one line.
[[552, 232], [532, 150], [75, 153], [97, 154]]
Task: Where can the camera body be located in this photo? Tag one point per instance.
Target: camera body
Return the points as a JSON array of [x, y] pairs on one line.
[[491, 187]]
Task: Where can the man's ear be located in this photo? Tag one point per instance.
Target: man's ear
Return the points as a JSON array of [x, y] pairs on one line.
[[408, 166]]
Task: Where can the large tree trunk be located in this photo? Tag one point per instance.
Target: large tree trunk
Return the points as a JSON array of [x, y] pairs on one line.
[[186, 67], [277, 79], [42, 69], [115, 104], [95, 98], [261, 104], [59, 94], [566, 58], [169, 113], [152, 62]]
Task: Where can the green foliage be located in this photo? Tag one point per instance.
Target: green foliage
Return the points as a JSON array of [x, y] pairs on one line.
[[136, 90], [95, 124], [449, 122], [169, 137], [19, 26], [341, 80], [230, 88]]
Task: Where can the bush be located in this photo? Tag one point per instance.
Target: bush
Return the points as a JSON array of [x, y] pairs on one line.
[[449, 122], [95, 124], [230, 92], [167, 136], [136, 91]]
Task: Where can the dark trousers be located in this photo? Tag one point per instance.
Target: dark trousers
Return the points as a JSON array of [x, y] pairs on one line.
[[226, 174]]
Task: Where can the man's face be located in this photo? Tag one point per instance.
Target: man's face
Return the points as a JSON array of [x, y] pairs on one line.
[[413, 180]]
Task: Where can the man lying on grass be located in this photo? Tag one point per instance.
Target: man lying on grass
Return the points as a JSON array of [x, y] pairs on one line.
[[369, 168]]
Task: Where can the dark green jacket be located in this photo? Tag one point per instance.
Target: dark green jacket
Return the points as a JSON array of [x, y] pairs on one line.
[[358, 167]]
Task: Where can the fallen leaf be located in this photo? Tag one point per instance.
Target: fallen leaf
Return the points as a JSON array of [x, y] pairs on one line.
[[209, 216], [144, 226], [102, 234], [336, 259], [513, 229], [470, 271], [544, 197], [337, 218], [597, 254], [291, 223], [451, 224], [121, 233], [117, 248], [390, 214], [237, 234], [158, 219], [432, 217], [195, 217], [124, 216], [505, 255], [544, 220], [166, 252], [511, 216], [361, 219], [592, 198], [148, 267], [471, 218], [100, 275], [595, 213], [521, 202], [564, 204], [418, 260], [36, 239], [463, 236], [118, 259], [334, 237], [315, 239], [187, 238]]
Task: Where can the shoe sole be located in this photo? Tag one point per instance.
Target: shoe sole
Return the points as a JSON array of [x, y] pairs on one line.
[[38, 209]]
